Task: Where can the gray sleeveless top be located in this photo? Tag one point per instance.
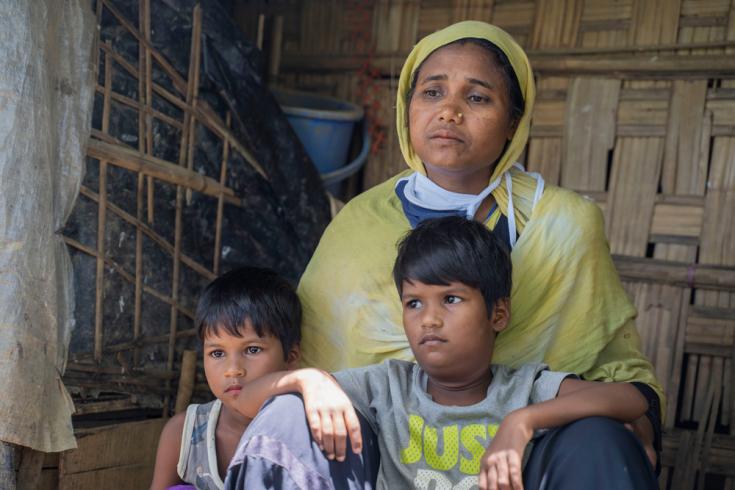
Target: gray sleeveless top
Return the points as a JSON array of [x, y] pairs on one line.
[[198, 457]]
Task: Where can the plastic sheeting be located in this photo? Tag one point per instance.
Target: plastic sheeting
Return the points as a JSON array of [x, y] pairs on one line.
[[46, 86]]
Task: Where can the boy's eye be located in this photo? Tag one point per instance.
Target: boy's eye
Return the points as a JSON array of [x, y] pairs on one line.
[[452, 300], [412, 304], [253, 349], [217, 354]]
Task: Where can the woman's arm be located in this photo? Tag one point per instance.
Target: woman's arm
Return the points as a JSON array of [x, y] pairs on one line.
[[167, 457], [501, 464], [328, 409]]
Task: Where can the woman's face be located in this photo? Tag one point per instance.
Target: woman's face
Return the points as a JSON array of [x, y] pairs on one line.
[[459, 115]]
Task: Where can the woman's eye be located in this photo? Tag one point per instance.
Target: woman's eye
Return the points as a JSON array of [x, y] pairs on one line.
[[452, 300], [253, 349], [217, 354], [478, 99], [431, 93]]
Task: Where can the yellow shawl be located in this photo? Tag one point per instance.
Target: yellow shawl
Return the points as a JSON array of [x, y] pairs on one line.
[[568, 306]]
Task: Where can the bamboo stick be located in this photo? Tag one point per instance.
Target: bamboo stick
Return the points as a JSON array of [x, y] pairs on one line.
[[675, 273], [134, 161], [146, 4], [144, 110], [102, 221], [142, 341], [186, 380], [221, 201], [194, 66], [143, 122]]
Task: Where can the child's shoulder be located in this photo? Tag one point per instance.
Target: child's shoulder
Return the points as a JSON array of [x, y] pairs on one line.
[[172, 431]]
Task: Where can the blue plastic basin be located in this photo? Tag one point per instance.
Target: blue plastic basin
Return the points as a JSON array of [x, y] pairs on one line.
[[323, 124]]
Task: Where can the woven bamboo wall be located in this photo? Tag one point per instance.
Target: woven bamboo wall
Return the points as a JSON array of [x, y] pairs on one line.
[[636, 109]]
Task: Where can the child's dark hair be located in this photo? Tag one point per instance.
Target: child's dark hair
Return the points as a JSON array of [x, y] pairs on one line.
[[255, 294], [515, 96], [454, 249]]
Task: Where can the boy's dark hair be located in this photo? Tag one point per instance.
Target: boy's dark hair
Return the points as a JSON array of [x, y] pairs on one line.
[[255, 294], [454, 249]]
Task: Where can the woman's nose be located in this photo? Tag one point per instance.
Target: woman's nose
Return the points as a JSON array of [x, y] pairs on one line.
[[450, 112]]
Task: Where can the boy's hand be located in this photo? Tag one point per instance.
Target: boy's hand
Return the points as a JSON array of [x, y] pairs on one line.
[[330, 414], [501, 464]]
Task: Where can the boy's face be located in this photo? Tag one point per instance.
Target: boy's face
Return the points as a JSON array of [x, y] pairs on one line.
[[230, 362], [449, 329]]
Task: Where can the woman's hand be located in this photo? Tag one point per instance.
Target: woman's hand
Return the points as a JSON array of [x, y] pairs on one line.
[[330, 414], [501, 464]]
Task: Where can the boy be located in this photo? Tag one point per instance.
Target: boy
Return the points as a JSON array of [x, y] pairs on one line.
[[450, 420], [248, 321]]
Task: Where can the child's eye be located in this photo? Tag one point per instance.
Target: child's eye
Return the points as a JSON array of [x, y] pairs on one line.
[[217, 354], [412, 304], [452, 300], [253, 349]]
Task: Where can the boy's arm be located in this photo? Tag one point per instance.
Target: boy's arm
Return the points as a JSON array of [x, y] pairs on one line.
[[329, 410], [167, 457], [501, 464]]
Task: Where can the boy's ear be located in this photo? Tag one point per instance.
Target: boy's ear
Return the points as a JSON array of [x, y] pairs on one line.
[[293, 359], [500, 316]]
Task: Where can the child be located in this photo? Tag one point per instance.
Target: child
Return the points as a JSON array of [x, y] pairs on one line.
[[248, 321], [451, 419]]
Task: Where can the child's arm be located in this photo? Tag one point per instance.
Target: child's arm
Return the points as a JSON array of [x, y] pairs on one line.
[[501, 464], [167, 456], [328, 409]]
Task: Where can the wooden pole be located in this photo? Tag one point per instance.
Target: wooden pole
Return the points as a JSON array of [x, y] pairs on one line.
[[186, 380]]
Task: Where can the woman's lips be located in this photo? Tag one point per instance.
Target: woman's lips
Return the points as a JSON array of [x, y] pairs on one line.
[[233, 388], [446, 135]]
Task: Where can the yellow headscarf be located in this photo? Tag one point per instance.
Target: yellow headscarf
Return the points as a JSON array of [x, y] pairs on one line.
[[523, 185], [568, 306]]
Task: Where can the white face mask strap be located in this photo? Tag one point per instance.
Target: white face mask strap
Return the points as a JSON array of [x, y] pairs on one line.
[[540, 183], [511, 211]]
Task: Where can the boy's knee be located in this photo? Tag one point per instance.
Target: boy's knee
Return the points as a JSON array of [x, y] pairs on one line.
[[288, 404]]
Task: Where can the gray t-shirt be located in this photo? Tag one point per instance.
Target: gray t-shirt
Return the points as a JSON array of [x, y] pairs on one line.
[[427, 445]]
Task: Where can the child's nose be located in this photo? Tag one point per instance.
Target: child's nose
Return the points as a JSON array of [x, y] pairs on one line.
[[431, 318], [235, 371]]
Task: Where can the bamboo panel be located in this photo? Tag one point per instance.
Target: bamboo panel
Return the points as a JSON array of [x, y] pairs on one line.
[[637, 113], [685, 166], [556, 24], [677, 220], [604, 10], [473, 10], [654, 21], [516, 17], [395, 25], [604, 38], [589, 132], [635, 174], [705, 8], [549, 114], [659, 308], [434, 15], [544, 157]]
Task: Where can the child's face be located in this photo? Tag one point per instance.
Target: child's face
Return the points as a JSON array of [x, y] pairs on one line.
[[230, 362], [449, 330]]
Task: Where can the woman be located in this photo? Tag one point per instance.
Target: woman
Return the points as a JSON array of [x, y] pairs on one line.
[[460, 137]]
